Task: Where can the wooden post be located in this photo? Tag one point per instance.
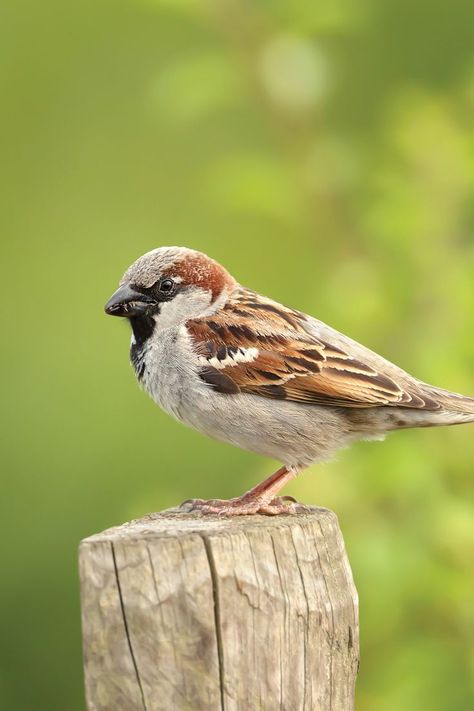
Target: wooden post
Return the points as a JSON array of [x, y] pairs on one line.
[[183, 612]]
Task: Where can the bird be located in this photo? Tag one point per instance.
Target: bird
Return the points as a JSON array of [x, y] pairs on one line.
[[244, 369]]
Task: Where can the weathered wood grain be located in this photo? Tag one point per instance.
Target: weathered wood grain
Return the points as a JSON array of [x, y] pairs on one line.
[[182, 612]]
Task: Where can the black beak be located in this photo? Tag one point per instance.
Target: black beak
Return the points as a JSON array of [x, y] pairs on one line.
[[128, 302]]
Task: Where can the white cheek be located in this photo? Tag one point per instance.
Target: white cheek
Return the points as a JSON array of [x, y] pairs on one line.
[[184, 306]]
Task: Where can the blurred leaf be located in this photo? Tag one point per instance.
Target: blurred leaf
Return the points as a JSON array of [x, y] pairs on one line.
[[194, 87], [254, 184], [294, 72]]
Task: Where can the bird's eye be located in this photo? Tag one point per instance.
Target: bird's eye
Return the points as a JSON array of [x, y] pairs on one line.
[[167, 286]]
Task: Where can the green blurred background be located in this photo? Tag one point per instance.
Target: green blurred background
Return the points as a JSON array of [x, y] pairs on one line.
[[324, 152]]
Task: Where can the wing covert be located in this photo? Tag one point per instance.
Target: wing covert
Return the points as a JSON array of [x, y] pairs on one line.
[[254, 345]]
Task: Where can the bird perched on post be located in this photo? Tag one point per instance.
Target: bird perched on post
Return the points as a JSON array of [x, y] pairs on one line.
[[244, 369]]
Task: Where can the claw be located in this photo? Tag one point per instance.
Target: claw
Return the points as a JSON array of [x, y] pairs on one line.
[[189, 504]]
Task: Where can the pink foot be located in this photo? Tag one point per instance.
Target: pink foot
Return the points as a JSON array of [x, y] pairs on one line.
[[243, 506]]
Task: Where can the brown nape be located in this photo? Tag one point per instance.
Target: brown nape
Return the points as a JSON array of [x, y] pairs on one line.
[[199, 270]]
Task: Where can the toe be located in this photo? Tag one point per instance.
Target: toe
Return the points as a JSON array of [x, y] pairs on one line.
[[273, 510], [284, 505]]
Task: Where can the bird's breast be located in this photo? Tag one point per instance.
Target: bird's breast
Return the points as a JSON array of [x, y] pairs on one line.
[[166, 369]]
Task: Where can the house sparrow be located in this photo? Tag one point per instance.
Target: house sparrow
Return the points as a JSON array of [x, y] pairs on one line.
[[244, 369]]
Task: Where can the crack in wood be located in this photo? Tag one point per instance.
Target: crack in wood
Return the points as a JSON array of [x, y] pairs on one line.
[[284, 593], [217, 615], [127, 633], [305, 646]]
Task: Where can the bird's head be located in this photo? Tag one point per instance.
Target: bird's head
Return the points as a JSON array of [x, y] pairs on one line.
[[170, 285]]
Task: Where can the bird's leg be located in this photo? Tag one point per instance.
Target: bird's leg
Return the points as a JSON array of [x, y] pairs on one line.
[[260, 499]]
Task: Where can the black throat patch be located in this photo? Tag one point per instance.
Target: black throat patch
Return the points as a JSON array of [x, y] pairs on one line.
[[142, 327]]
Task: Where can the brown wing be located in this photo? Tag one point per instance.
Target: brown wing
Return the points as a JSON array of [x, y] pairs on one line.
[[257, 346]]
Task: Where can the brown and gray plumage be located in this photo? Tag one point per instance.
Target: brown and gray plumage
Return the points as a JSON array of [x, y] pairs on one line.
[[244, 369]]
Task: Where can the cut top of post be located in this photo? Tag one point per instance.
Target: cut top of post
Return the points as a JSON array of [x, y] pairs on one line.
[[176, 522]]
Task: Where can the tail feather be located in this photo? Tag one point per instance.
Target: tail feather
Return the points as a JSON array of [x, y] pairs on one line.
[[455, 408], [454, 401]]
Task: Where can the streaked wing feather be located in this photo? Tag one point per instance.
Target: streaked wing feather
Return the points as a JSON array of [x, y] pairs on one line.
[[254, 345]]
